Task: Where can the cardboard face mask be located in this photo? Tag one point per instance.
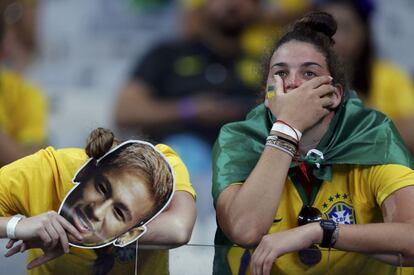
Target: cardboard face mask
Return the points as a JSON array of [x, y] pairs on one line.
[[114, 197]]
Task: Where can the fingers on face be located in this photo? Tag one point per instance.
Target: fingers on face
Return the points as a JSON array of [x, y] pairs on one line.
[[318, 81], [70, 228], [325, 90], [61, 236], [278, 84]]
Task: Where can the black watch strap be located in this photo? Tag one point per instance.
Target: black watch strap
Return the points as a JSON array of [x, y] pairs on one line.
[[328, 228]]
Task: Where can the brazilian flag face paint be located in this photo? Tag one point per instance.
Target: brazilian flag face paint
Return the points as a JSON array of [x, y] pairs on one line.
[[271, 92]]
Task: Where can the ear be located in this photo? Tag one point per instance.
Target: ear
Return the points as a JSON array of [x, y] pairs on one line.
[[337, 96], [130, 236]]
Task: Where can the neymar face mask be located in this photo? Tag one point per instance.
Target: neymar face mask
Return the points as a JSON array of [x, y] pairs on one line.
[[111, 202]]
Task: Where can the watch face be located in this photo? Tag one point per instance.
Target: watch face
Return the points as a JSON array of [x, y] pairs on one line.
[[310, 256], [328, 224]]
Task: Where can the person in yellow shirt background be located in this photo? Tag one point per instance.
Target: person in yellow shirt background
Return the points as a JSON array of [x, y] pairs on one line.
[[23, 109], [35, 186]]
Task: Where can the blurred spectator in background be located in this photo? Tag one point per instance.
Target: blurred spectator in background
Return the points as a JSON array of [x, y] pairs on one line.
[[22, 111], [382, 85], [20, 39], [196, 84]]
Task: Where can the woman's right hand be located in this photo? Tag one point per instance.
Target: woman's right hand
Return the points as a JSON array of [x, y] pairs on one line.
[[304, 106], [49, 228]]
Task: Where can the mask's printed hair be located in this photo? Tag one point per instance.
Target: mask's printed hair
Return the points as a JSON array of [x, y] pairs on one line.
[[141, 158]]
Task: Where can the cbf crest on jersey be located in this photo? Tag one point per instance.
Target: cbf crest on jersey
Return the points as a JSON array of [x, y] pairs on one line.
[[341, 213]]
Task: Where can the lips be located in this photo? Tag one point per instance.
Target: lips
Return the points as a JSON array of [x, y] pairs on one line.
[[81, 222]]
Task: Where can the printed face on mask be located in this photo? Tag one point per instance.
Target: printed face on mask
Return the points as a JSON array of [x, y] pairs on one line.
[[115, 196], [108, 205]]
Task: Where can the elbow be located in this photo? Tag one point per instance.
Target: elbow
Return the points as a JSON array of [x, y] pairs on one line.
[[182, 234], [245, 237]]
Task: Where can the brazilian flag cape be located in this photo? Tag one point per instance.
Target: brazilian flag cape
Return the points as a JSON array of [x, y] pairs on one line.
[[356, 135]]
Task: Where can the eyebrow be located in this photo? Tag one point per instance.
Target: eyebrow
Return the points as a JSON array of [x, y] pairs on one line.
[[305, 64]]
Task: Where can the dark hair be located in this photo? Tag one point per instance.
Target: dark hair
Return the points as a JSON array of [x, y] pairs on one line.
[[137, 157], [360, 68], [316, 28]]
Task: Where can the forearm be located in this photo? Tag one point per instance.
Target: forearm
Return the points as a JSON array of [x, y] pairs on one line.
[[249, 213], [173, 227], [3, 226], [136, 107], [384, 241]]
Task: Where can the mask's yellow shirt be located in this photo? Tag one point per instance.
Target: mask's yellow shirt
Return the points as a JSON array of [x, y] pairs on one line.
[[354, 196], [22, 110], [39, 183]]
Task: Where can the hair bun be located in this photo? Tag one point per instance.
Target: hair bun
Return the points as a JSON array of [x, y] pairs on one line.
[[318, 21], [99, 142]]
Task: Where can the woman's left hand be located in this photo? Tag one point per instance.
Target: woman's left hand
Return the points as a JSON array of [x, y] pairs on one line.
[[50, 253], [277, 244]]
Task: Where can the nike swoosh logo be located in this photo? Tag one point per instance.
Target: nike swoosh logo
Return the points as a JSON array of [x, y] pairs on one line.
[[277, 220]]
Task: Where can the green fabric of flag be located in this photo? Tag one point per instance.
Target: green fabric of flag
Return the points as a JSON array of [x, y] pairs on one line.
[[356, 135]]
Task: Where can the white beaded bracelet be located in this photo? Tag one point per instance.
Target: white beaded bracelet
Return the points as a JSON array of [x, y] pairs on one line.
[[287, 130], [11, 226]]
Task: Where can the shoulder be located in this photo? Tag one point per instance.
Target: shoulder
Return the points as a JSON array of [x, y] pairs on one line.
[[182, 177], [69, 157], [383, 180], [173, 158]]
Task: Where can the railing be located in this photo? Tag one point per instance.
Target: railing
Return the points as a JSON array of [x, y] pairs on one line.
[[198, 259]]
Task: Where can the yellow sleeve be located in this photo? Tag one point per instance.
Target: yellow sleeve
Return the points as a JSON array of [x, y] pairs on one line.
[[23, 185], [392, 91], [182, 178], [38, 183], [386, 179]]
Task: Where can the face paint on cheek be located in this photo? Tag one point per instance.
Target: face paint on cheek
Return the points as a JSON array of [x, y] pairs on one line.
[[270, 91]]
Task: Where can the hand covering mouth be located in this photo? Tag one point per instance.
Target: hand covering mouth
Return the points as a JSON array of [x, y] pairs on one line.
[[81, 221]]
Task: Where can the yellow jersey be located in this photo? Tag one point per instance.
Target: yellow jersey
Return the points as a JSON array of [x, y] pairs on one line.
[[354, 196]]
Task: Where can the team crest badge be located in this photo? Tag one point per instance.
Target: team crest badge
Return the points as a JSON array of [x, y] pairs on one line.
[[341, 213]]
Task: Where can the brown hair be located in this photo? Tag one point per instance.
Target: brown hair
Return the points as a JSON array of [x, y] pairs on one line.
[[139, 157], [316, 28]]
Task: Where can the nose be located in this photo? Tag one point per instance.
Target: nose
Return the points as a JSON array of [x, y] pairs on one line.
[[97, 210], [292, 81]]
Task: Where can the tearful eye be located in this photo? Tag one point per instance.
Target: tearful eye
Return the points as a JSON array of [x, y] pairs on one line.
[[282, 74]]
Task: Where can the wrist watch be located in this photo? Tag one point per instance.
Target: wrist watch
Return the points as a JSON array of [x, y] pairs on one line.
[[329, 227]]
